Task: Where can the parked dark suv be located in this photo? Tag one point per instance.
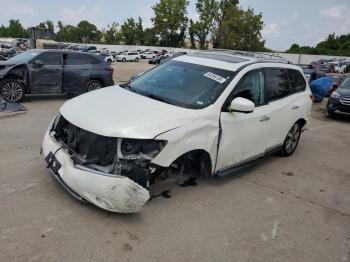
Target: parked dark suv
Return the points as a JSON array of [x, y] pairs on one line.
[[52, 71], [339, 101]]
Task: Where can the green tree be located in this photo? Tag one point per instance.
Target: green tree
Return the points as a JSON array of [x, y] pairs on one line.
[[139, 32], [66, 33], [3, 31], [49, 24], [192, 32], [333, 45], [130, 32], [87, 32], [41, 25], [112, 34], [237, 28], [207, 11], [150, 37], [15, 29], [170, 21]]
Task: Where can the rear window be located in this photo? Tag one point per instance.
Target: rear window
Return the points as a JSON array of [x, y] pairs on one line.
[[277, 83], [80, 59], [297, 81], [133, 53]]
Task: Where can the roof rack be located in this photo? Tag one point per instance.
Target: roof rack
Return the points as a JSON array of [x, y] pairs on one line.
[[265, 57]]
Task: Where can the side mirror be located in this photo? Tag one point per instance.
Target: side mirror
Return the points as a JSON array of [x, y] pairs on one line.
[[38, 63], [242, 105]]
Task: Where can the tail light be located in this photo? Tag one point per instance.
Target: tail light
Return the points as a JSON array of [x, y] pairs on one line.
[[110, 69], [312, 97]]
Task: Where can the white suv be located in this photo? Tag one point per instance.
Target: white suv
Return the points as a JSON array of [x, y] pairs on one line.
[[210, 112], [128, 56]]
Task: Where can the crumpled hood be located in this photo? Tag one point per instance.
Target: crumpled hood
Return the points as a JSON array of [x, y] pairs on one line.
[[116, 112], [5, 66]]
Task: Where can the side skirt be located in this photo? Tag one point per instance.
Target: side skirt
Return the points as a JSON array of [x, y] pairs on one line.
[[246, 163]]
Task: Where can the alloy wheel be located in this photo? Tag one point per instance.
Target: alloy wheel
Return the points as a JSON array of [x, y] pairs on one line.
[[94, 85], [292, 139], [12, 92]]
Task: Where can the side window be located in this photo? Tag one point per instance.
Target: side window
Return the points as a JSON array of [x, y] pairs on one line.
[[251, 87], [277, 83], [94, 60], [77, 59], [297, 81], [50, 58]]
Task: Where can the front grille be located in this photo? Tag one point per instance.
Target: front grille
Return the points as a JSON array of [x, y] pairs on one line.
[[345, 100], [93, 148]]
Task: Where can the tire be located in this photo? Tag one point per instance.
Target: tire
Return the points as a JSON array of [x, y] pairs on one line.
[[93, 85], [292, 140], [137, 59], [329, 114], [12, 90], [124, 59], [109, 61]]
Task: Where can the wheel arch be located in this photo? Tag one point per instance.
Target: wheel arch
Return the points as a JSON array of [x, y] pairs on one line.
[[19, 72], [302, 122], [196, 157]]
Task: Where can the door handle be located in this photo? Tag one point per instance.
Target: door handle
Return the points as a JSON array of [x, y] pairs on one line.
[[295, 107], [264, 118]]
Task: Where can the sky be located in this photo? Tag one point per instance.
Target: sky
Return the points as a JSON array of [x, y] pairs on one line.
[[305, 22]]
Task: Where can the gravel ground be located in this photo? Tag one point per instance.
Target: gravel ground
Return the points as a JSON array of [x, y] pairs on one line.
[[280, 209]]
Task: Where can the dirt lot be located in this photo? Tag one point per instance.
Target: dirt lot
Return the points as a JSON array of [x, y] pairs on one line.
[[281, 209]]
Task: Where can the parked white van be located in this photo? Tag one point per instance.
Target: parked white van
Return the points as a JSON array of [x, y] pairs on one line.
[[208, 112]]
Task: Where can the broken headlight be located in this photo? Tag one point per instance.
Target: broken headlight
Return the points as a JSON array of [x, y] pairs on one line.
[[141, 146]]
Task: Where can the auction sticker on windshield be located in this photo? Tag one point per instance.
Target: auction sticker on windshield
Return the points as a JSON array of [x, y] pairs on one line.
[[215, 77]]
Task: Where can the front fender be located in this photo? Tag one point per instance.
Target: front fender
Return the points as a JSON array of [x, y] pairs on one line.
[[201, 134]]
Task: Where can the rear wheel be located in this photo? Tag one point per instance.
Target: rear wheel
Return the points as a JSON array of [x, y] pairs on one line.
[[136, 59], [124, 59], [291, 141], [109, 61], [12, 90], [93, 85]]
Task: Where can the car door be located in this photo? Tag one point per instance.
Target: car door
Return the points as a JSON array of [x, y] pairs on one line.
[[46, 73], [76, 72], [278, 96], [289, 102], [243, 135]]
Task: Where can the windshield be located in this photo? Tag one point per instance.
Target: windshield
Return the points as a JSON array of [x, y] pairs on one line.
[[346, 83], [23, 57], [183, 84]]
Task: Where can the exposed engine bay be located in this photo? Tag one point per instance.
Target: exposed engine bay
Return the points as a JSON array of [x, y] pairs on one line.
[[110, 155]]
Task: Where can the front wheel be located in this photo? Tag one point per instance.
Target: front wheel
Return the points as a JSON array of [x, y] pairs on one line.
[[328, 113], [93, 85], [291, 141], [109, 61], [12, 90], [124, 59], [136, 59]]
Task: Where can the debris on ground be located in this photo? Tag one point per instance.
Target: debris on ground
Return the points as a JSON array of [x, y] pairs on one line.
[[189, 182], [287, 173], [10, 107]]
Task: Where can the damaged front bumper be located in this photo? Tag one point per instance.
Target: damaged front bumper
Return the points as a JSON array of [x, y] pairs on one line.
[[110, 192]]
